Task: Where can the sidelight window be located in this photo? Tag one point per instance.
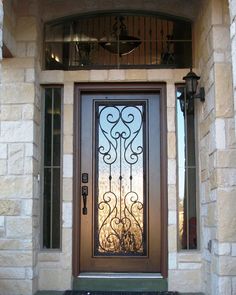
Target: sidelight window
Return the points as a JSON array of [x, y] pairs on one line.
[[187, 205], [51, 167]]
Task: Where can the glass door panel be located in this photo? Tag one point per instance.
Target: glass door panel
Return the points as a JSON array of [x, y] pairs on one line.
[[120, 191]]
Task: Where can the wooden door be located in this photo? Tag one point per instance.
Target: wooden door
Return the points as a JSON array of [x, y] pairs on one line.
[[120, 186]]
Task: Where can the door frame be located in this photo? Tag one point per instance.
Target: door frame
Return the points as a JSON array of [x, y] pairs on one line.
[[147, 87]]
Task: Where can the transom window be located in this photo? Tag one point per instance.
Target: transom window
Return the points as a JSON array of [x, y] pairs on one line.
[[118, 40]]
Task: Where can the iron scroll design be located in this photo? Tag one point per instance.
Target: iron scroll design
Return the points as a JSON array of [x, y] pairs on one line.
[[120, 189]]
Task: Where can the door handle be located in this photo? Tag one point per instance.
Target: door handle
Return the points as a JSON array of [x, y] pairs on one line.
[[84, 195]]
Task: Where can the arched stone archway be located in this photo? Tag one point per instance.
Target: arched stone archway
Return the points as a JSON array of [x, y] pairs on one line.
[[179, 8]]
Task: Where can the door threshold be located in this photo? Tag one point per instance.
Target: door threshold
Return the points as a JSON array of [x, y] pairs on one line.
[[120, 282], [110, 275]]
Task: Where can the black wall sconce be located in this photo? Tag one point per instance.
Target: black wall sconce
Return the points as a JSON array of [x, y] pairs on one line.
[[191, 83]]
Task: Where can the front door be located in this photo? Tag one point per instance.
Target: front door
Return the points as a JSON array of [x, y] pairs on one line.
[[120, 190]]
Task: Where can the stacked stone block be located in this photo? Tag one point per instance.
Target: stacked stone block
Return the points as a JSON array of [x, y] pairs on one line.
[[9, 38], [232, 9], [217, 148], [1, 29], [19, 157]]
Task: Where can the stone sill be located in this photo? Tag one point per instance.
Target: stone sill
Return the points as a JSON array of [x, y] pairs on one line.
[[190, 256]]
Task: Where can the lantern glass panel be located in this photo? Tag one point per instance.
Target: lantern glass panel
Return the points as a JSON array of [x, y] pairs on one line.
[[191, 85]]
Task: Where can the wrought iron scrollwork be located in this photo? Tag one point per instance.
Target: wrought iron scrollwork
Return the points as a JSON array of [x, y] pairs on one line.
[[120, 187]]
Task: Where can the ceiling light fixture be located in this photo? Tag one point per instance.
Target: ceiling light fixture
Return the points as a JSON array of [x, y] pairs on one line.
[[119, 42]]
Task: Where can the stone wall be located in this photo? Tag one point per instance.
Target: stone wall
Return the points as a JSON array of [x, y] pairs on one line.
[[1, 29], [23, 267], [9, 38], [232, 9], [19, 153], [217, 149]]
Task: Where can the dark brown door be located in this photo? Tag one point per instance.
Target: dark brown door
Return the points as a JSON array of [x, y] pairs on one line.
[[120, 183]]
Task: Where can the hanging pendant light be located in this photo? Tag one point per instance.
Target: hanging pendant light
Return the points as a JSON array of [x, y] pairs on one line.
[[119, 42]]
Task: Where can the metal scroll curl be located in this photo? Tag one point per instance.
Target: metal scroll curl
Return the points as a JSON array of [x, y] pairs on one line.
[[120, 187]]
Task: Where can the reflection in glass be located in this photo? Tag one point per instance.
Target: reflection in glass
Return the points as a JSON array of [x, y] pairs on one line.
[[97, 41], [52, 169], [186, 175], [48, 123], [120, 184]]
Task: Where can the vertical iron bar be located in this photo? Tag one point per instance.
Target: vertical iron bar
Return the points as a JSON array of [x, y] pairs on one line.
[[150, 41], [110, 178], [133, 35], [98, 27], [118, 42], [120, 177], [156, 41], [140, 36], [103, 34], [168, 41], [144, 26], [162, 40], [110, 26], [131, 188]]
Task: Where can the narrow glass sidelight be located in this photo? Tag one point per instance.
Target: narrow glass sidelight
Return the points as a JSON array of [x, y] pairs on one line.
[[51, 168], [187, 205], [120, 153]]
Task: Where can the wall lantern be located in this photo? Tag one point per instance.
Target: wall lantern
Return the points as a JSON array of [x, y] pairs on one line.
[[191, 86], [191, 83]]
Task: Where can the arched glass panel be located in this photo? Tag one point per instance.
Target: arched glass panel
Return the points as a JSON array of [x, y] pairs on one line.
[[118, 40]]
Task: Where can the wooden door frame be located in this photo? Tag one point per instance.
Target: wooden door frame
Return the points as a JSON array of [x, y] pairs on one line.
[[82, 88]]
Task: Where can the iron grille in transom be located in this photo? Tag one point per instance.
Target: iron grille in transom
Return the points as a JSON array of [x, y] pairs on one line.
[[118, 40]]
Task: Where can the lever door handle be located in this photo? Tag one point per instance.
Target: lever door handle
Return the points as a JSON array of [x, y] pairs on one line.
[[84, 195]]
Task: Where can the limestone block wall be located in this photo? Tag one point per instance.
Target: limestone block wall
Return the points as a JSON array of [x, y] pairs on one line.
[[19, 152], [232, 8], [9, 38], [217, 149], [1, 29]]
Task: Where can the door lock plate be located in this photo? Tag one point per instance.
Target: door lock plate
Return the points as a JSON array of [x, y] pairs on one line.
[[84, 177]]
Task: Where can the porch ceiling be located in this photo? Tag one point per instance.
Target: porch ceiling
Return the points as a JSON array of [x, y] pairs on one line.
[[53, 9]]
